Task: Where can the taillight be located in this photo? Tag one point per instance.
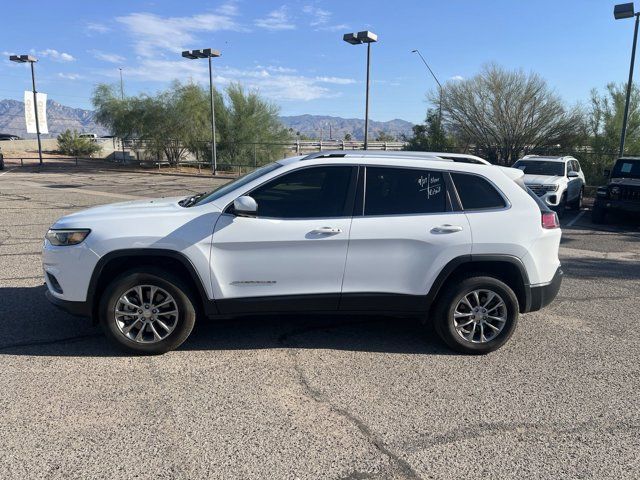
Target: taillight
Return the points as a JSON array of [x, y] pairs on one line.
[[550, 220]]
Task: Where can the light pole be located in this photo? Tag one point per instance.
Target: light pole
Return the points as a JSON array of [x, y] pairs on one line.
[[209, 54], [437, 81], [356, 39], [31, 60], [621, 11], [122, 98]]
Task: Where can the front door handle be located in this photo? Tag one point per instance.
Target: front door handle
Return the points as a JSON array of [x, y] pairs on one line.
[[327, 230], [446, 229]]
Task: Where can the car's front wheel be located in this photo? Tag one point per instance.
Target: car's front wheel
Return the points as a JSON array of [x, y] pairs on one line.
[[577, 203], [476, 315], [147, 311]]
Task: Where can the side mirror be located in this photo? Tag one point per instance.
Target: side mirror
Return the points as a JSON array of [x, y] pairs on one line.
[[245, 206], [606, 172], [573, 174]]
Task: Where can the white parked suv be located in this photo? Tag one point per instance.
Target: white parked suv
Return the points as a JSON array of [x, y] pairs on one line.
[[464, 245], [558, 181]]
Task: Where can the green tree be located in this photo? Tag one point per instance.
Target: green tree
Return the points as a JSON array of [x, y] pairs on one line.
[[604, 125], [70, 143], [429, 136], [347, 137], [177, 121], [383, 136]]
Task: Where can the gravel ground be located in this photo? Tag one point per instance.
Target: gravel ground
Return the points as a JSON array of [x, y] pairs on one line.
[[313, 397]]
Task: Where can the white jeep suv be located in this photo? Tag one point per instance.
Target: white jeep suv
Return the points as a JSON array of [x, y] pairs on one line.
[[464, 245], [558, 181]]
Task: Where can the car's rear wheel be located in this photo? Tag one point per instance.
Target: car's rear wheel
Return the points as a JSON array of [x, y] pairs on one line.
[[147, 311], [476, 315]]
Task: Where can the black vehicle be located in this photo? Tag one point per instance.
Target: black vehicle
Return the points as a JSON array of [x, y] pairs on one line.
[[8, 136], [1, 160], [622, 191]]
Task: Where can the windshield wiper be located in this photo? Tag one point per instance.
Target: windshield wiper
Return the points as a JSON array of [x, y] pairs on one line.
[[192, 200]]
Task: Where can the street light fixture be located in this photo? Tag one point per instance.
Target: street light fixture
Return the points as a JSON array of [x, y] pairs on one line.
[[437, 81], [622, 11], [357, 39], [209, 54], [31, 60]]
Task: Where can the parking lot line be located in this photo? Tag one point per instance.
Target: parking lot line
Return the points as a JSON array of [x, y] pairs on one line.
[[576, 218], [4, 173]]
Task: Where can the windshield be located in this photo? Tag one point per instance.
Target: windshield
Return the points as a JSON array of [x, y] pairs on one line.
[[536, 167], [626, 169], [237, 183]]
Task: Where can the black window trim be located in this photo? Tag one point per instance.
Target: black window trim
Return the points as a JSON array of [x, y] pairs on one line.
[[507, 203], [351, 193]]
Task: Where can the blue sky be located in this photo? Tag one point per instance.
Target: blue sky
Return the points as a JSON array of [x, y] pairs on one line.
[[292, 50]]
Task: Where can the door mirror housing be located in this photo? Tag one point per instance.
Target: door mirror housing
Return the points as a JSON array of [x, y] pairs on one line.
[[245, 206], [573, 174], [606, 172]]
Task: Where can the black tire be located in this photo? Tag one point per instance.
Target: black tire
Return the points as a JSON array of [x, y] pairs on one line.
[[453, 293], [172, 284], [577, 203], [598, 214]]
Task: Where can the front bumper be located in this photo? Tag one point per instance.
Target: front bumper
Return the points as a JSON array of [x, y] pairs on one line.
[[78, 309], [541, 296], [618, 205]]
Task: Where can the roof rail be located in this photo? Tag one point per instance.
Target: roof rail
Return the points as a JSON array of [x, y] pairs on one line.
[[556, 157], [374, 154]]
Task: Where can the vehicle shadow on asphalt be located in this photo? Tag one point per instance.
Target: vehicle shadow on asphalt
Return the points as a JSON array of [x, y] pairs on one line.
[[34, 327], [601, 268]]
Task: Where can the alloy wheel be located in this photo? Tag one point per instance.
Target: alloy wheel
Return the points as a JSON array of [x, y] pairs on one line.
[[480, 316], [146, 314]]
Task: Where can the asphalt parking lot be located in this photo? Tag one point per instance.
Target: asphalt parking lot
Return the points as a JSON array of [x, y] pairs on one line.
[[321, 397]]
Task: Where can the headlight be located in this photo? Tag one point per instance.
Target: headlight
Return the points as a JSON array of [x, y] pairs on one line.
[[615, 192], [550, 188], [67, 237]]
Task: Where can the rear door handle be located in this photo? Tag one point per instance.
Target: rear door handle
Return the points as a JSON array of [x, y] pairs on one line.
[[446, 229], [327, 230]]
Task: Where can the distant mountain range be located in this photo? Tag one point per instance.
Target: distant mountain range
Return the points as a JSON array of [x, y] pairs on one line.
[[315, 126], [61, 117]]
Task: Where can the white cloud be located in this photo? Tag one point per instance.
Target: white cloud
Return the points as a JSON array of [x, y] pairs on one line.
[[70, 76], [93, 27], [457, 78], [278, 19], [229, 8], [336, 80], [151, 31], [56, 55], [275, 83], [108, 57], [321, 18], [276, 68]]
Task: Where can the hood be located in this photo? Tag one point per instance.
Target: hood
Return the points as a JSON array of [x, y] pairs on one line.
[[132, 210], [634, 182], [541, 179]]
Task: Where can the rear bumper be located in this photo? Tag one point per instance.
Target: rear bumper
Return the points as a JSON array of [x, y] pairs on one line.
[[78, 309], [541, 296]]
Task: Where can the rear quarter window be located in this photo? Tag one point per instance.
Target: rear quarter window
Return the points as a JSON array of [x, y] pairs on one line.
[[476, 193]]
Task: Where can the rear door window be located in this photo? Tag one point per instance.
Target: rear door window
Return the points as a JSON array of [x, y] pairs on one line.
[[404, 191]]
